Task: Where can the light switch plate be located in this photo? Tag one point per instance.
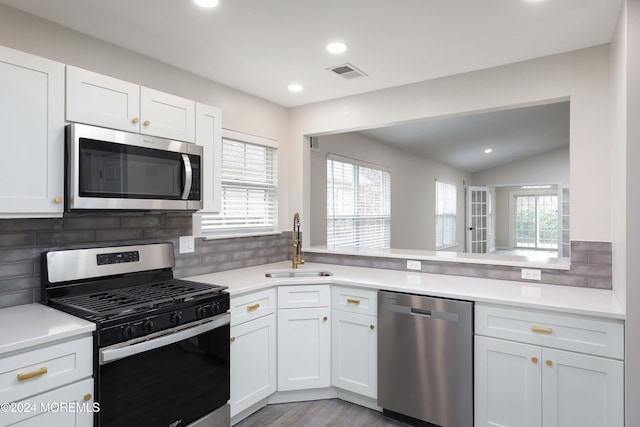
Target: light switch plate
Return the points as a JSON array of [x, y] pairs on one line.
[[531, 274], [187, 244], [414, 265]]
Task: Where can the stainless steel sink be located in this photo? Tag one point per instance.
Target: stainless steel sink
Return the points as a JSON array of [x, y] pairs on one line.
[[281, 274]]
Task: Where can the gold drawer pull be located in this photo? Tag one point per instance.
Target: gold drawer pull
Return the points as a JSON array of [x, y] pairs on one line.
[[253, 307], [371, 327], [233, 339], [549, 362], [534, 359], [353, 301], [135, 120], [36, 373], [542, 330], [147, 123], [325, 318], [87, 397]]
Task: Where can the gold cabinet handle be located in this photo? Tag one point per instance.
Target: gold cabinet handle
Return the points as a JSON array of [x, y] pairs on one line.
[[146, 123], [87, 397], [325, 318], [233, 339], [541, 330], [371, 327], [253, 307], [549, 362], [353, 301], [534, 359], [135, 120], [36, 373], [57, 199]]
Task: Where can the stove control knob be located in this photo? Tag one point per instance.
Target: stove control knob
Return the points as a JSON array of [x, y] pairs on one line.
[[129, 331], [201, 312], [147, 326], [175, 318]]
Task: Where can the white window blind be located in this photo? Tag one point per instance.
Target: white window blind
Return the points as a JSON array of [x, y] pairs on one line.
[[358, 205], [249, 190], [445, 214]]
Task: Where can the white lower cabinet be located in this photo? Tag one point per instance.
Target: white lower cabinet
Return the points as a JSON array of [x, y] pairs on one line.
[[69, 406], [253, 349], [354, 340], [253, 362], [304, 339], [525, 384], [354, 348], [48, 385]]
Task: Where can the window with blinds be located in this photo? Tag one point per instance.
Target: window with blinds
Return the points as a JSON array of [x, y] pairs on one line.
[[249, 190], [445, 214], [358, 205]]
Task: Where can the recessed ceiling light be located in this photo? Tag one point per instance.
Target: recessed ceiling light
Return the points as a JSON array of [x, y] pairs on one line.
[[207, 3], [336, 47], [295, 87], [488, 150]]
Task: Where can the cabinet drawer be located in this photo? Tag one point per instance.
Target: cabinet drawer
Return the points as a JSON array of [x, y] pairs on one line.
[[68, 406], [304, 296], [583, 334], [34, 371], [251, 306], [354, 300]]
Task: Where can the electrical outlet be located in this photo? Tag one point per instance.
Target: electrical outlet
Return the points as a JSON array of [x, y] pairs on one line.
[[187, 244], [414, 265], [531, 274]]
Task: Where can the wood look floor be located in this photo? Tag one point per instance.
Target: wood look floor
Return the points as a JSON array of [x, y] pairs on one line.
[[318, 413]]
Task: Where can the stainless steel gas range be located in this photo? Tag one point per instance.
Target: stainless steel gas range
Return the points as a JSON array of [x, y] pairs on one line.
[[161, 344]]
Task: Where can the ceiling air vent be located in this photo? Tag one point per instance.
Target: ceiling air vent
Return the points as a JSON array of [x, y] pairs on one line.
[[347, 71]]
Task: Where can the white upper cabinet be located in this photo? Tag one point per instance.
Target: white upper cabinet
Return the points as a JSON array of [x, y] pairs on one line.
[[209, 136], [167, 116], [100, 100], [32, 141]]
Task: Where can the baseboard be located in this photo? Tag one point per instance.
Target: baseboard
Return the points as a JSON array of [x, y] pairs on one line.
[[250, 410], [303, 395], [358, 399]]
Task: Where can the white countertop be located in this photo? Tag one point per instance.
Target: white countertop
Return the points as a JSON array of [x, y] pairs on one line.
[[29, 325], [595, 302]]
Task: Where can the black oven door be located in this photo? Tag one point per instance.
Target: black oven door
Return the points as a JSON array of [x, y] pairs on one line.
[[170, 380]]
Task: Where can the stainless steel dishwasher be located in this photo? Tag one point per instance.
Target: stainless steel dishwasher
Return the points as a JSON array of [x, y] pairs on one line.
[[425, 358]]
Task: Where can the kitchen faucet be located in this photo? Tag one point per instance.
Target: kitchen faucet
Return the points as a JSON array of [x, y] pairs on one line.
[[297, 242]]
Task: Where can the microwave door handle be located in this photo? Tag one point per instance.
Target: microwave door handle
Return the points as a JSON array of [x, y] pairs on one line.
[[188, 176]]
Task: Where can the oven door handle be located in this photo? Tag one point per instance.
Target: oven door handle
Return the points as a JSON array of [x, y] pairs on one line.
[[108, 355]]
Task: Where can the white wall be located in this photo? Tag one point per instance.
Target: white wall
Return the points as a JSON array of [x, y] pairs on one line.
[[625, 60], [551, 167], [240, 111], [581, 76], [412, 189]]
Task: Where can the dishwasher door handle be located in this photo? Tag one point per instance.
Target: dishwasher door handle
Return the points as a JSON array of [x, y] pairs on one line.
[[421, 312]]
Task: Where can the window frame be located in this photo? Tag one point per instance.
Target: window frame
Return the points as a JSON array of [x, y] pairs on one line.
[[243, 230], [445, 244], [356, 217]]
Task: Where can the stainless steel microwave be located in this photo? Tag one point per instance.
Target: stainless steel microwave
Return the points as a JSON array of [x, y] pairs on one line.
[[107, 169]]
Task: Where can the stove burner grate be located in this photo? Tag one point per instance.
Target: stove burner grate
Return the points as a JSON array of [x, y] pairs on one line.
[[123, 300]]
